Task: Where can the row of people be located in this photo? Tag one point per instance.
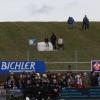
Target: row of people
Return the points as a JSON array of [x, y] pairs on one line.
[[48, 86], [39, 87]]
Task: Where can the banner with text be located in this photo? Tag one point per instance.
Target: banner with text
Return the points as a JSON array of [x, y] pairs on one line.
[[22, 66]]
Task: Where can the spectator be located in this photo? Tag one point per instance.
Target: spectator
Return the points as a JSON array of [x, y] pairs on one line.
[[78, 78], [10, 83], [85, 80], [85, 23], [94, 79], [63, 81], [46, 42], [55, 89], [71, 22], [53, 40], [28, 89], [70, 81], [69, 68], [60, 43]]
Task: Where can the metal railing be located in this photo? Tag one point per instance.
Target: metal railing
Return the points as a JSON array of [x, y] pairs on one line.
[[75, 64]]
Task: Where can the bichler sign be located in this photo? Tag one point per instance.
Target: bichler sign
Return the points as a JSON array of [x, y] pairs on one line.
[[22, 66]]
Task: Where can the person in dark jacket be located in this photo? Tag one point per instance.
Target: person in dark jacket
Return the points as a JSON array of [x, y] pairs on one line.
[[53, 40], [71, 22], [46, 40], [85, 24]]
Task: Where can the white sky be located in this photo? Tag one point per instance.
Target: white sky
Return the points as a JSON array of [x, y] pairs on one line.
[[48, 10]]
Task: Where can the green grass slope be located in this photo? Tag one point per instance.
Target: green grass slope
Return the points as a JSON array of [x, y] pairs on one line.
[[14, 41]]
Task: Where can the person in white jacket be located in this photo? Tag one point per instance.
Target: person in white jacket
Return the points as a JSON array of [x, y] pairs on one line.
[[78, 80], [60, 43]]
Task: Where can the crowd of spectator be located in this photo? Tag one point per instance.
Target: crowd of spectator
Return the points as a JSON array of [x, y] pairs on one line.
[[47, 86]]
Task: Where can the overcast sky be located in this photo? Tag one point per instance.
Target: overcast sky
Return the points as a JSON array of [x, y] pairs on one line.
[[48, 10]]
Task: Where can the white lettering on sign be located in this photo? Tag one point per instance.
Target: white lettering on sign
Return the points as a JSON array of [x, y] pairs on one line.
[[17, 66], [3, 66]]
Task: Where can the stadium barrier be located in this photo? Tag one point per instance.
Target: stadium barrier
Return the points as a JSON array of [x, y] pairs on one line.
[[3, 94], [65, 93], [80, 93], [11, 94]]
